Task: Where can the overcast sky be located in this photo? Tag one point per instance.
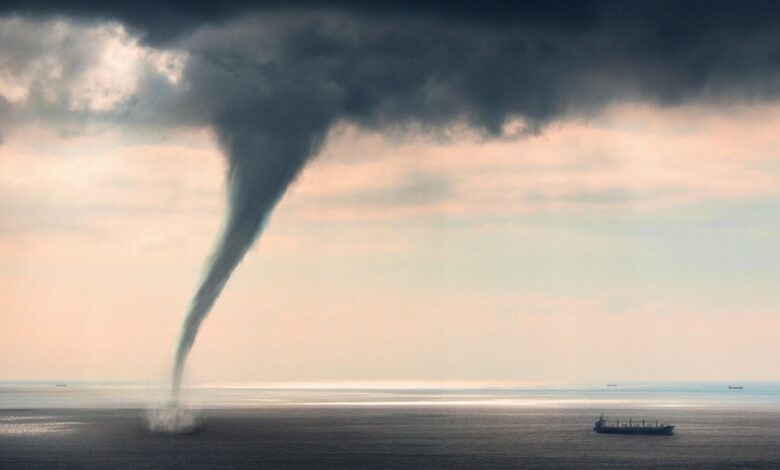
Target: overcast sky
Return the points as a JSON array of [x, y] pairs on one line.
[[549, 192]]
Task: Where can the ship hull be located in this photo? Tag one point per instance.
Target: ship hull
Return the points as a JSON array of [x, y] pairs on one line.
[[654, 431]]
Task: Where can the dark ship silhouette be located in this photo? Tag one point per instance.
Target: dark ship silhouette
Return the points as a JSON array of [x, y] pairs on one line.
[[633, 427]]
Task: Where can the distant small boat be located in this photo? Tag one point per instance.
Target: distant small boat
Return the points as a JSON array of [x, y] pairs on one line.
[[62, 385], [736, 387], [643, 427], [611, 385]]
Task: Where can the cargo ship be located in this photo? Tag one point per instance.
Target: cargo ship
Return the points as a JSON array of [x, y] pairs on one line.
[[645, 427]]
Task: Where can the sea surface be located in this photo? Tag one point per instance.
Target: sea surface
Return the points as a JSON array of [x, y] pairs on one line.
[[386, 425]]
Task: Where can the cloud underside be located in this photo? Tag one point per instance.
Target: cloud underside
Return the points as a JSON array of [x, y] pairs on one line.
[[297, 71]]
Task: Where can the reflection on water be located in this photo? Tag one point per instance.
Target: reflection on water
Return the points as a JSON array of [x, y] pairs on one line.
[[25, 418], [37, 395], [35, 425]]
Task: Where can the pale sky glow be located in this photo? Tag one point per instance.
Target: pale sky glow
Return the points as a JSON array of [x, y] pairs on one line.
[[634, 242], [642, 229]]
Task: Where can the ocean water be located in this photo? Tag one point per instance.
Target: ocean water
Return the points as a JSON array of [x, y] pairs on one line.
[[107, 425]]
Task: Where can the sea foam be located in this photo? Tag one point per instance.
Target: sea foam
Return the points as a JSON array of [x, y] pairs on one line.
[[172, 418]]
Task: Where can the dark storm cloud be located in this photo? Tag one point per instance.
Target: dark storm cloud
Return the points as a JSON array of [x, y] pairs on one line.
[[161, 21], [384, 63], [431, 70]]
